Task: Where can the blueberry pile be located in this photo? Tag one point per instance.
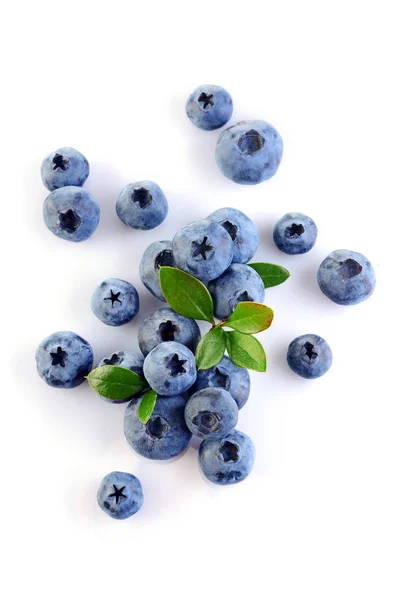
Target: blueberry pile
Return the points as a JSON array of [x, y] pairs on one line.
[[181, 385]]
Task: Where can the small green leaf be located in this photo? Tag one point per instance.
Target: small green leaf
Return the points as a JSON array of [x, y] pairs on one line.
[[250, 317], [186, 295], [147, 405], [211, 349], [246, 351], [270, 274], [115, 383]]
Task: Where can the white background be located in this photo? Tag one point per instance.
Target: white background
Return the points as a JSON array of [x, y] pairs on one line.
[[319, 516]]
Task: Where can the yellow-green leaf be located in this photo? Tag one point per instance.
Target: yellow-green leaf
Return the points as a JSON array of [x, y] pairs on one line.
[[211, 349], [250, 317], [246, 351], [270, 274], [186, 295]]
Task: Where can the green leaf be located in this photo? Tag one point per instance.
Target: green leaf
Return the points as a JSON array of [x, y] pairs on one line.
[[270, 274], [250, 317], [147, 405], [245, 351], [211, 349], [186, 295], [115, 383]]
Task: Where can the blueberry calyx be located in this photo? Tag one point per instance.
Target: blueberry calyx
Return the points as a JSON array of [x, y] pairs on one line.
[[218, 379], [157, 427], [251, 142], [164, 259], [142, 197], [295, 230], [350, 268], [308, 350], [114, 360], [229, 452], [118, 493], [207, 100], [60, 162], [167, 331], [207, 422], [58, 358], [114, 298], [200, 249], [69, 221], [230, 228], [175, 365]]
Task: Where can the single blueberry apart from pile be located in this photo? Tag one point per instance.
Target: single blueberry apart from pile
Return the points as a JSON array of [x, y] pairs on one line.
[[165, 325], [165, 435], [228, 376], [71, 213], [120, 495], [295, 233], [242, 231], [142, 205], [170, 369], [346, 277], [249, 152], [211, 413], [127, 360], [228, 460], [157, 255], [65, 166], [239, 283], [309, 356], [209, 107], [115, 302], [64, 359]]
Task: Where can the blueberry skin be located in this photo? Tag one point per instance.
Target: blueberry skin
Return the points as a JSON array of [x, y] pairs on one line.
[[239, 283], [242, 231], [211, 413], [228, 460], [309, 356], [228, 376], [158, 254], [295, 233], [115, 302], [142, 205], [71, 213], [165, 435], [120, 495], [203, 248], [64, 359], [249, 152], [65, 166], [165, 325], [346, 277], [127, 360], [170, 369], [209, 107]]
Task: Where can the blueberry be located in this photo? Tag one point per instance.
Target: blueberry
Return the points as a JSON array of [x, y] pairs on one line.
[[165, 325], [242, 231], [309, 356], [142, 205], [115, 302], [170, 369], [157, 255], [228, 376], [127, 360], [71, 213], [64, 359], [228, 460], [295, 233], [249, 152], [204, 249], [65, 166], [239, 283], [165, 435], [211, 413], [346, 277], [120, 495], [209, 107]]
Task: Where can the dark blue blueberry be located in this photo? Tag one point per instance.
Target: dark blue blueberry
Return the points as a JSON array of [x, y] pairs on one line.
[[127, 360], [209, 107], [204, 249], [165, 435], [71, 213], [249, 152], [228, 376], [165, 325], [295, 233], [142, 205], [309, 356], [346, 277], [120, 495], [157, 255], [239, 283], [228, 460], [65, 166], [242, 231], [211, 413], [64, 359], [170, 369], [115, 302]]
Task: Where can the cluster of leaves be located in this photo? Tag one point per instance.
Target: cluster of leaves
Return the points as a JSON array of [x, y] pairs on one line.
[[189, 297]]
